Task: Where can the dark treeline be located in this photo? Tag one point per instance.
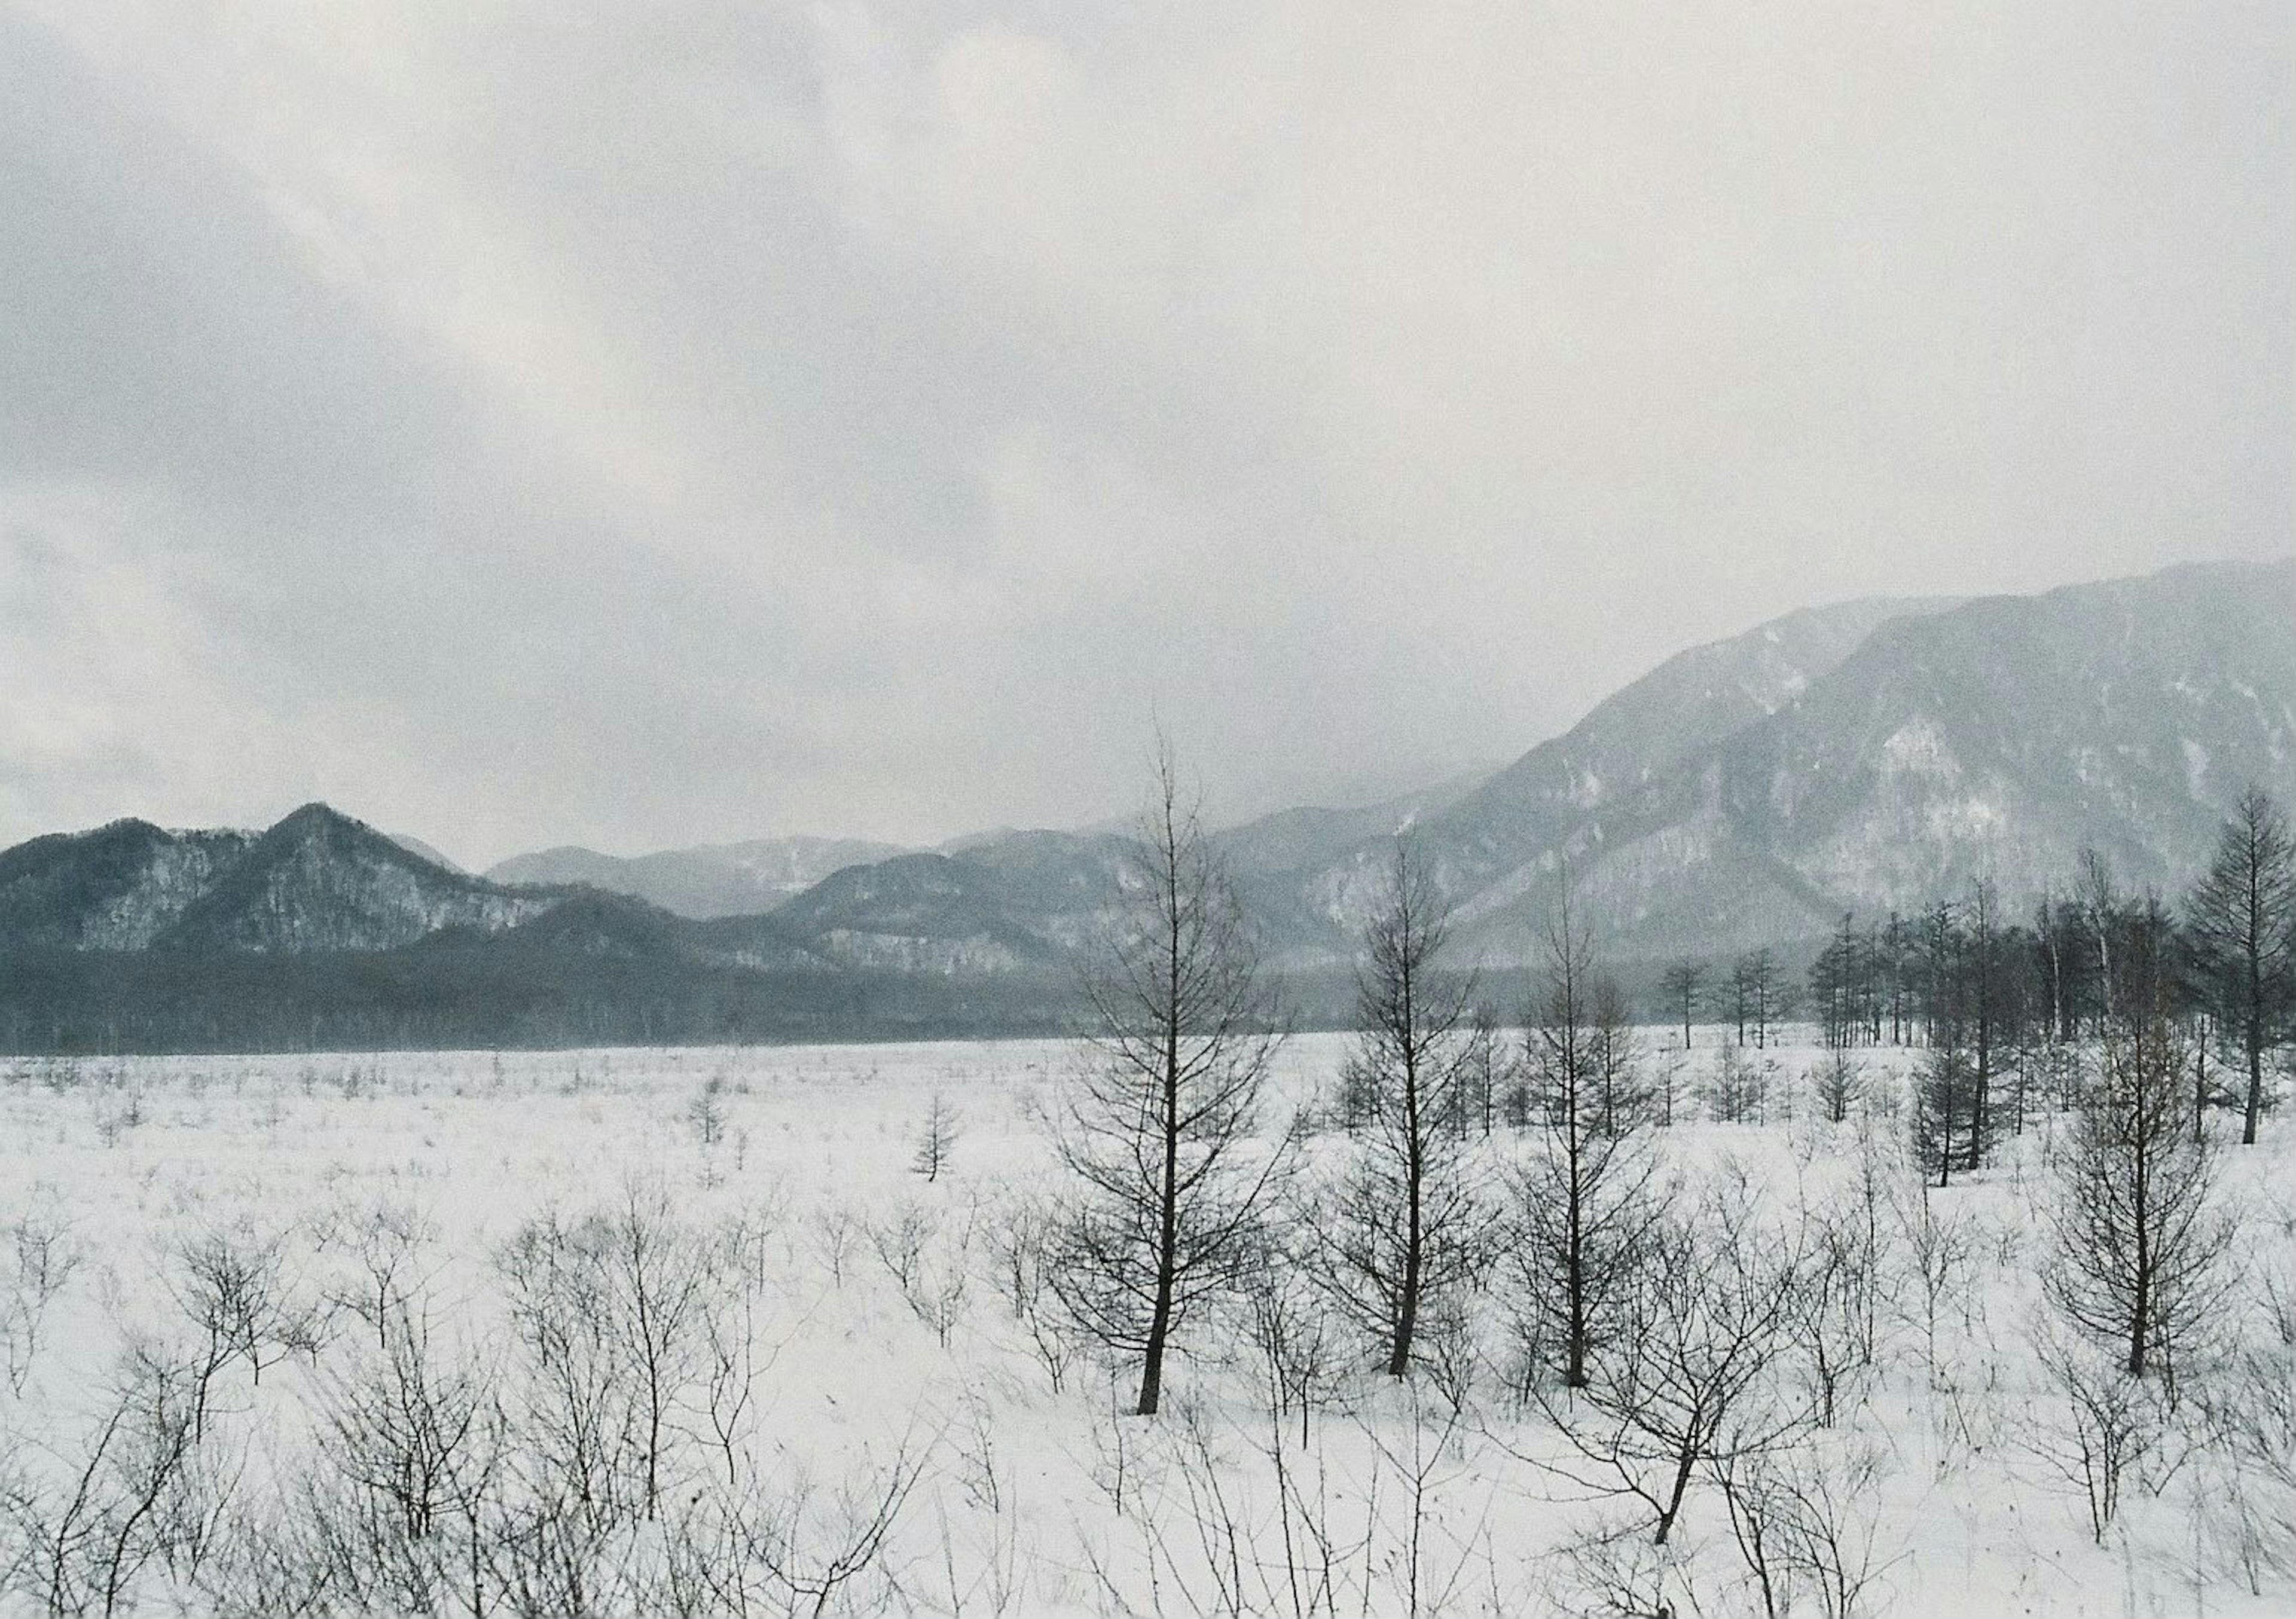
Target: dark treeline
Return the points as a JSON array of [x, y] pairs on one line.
[[1968, 978], [428, 998]]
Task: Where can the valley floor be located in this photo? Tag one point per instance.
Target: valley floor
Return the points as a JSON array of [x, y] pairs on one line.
[[856, 1408]]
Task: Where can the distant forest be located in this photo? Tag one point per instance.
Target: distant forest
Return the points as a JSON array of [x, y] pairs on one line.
[[92, 1002], [1963, 968]]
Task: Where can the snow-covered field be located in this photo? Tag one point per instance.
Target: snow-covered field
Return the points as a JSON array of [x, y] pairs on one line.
[[338, 1242]]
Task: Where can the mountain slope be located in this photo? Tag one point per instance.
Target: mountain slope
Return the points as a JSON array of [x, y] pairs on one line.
[[712, 881], [1494, 847], [117, 887], [1998, 736], [320, 880], [1873, 756], [1024, 900], [1868, 757]]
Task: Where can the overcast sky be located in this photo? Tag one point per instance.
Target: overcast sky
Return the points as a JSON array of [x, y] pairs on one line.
[[719, 420]]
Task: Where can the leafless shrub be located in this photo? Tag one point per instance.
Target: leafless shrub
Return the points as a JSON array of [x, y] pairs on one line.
[[2250, 1406], [1691, 1380], [1806, 1522], [36, 1265], [803, 1548], [385, 1245], [1836, 1306], [2098, 1424], [415, 1450], [93, 1524], [114, 1120], [1610, 1569], [1428, 1560], [930, 1261], [245, 1305], [1937, 1254], [836, 1231], [1294, 1341], [1022, 1233], [611, 1311]]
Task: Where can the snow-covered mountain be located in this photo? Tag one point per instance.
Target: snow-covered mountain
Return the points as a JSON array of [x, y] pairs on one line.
[[1878, 758], [1866, 757], [711, 880], [317, 881]]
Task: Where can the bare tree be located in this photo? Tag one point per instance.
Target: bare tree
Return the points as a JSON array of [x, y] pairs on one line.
[[1690, 1384], [1982, 998], [1401, 1230], [1947, 1113], [36, 1265], [936, 1139], [1623, 1097], [1489, 1070], [1681, 983], [2139, 1257], [1734, 1089], [1838, 1076], [1584, 1204], [705, 1111], [1160, 1132], [2240, 919]]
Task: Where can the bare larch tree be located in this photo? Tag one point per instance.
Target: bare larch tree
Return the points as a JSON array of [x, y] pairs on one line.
[[1161, 1131], [1403, 1229], [2140, 1252], [1681, 983], [936, 1139], [1584, 1203], [2240, 920]]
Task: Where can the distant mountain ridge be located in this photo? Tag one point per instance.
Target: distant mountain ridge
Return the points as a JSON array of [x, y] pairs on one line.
[[1994, 737], [710, 880], [1868, 756], [317, 881], [1873, 756]]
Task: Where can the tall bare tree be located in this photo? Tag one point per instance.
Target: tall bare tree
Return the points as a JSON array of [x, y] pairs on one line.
[[1981, 995], [2240, 919], [2140, 1252], [1402, 1230], [1681, 983], [1161, 1131], [1583, 1203]]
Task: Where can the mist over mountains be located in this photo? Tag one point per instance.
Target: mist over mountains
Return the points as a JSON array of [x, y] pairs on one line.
[[1864, 758], [717, 879]]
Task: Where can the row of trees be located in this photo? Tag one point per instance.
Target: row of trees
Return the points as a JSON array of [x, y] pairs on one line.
[[1966, 975], [1179, 1183]]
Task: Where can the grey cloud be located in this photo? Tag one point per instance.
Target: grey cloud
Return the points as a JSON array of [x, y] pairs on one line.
[[719, 420]]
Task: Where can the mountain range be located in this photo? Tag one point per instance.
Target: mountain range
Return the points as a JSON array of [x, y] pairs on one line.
[[1863, 757]]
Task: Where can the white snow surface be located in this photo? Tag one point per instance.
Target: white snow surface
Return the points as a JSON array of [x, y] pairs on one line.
[[1016, 1510]]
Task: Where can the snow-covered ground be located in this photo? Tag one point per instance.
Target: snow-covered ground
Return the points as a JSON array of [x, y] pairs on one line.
[[408, 1177]]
